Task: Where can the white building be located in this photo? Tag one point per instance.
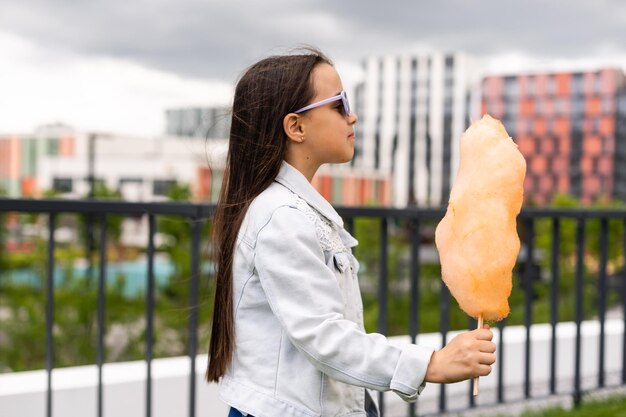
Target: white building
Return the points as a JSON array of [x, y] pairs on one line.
[[413, 110], [141, 168]]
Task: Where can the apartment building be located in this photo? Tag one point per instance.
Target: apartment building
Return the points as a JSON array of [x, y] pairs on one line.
[[570, 127], [413, 110]]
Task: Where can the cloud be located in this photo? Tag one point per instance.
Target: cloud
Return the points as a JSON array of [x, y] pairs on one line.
[[118, 64], [92, 93], [218, 39]]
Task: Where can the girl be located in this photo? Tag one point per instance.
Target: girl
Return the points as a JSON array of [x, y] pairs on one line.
[[287, 336]]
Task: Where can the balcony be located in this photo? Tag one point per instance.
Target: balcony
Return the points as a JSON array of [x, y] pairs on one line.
[[564, 339]]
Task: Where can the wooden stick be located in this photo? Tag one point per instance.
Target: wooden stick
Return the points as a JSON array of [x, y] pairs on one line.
[[480, 326]]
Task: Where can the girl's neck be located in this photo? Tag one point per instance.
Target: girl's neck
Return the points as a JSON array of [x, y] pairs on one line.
[[305, 165]]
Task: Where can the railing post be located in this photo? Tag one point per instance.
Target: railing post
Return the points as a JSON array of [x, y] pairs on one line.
[[604, 226], [624, 306], [444, 319], [528, 298], [382, 293], [415, 277], [349, 225], [50, 312], [501, 326], [554, 301], [196, 224], [472, 324], [580, 268], [101, 309], [414, 304], [150, 313]]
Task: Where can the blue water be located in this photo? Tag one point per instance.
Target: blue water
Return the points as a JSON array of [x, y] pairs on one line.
[[134, 272]]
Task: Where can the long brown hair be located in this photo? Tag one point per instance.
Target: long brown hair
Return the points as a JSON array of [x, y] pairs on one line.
[[265, 94]]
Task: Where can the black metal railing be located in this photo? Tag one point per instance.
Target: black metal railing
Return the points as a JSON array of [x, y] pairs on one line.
[[197, 214], [527, 217], [415, 219]]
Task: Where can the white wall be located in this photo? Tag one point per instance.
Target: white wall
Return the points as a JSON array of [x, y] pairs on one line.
[[23, 394], [150, 159], [513, 366]]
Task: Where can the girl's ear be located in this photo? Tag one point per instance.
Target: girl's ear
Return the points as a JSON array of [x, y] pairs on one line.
[[292, 124]]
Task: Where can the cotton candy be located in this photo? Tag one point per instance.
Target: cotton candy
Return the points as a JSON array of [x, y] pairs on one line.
[[477, 238]]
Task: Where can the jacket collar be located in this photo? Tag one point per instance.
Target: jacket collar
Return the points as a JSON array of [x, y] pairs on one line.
[[295, 181]]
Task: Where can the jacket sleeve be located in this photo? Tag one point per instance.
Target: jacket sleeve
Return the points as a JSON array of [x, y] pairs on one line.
[[305, 297]]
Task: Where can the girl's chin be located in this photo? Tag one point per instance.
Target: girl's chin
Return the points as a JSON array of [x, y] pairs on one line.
[[348, 158]]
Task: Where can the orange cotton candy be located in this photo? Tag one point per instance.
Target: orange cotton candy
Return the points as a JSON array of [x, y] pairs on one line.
[[477, 239]]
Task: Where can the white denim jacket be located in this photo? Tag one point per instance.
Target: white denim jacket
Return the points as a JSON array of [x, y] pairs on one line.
[[300, 346]]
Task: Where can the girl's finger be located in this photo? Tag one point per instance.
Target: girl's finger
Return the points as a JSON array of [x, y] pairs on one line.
[[484, 370], [486, 358], [483, 334], [486, 346]]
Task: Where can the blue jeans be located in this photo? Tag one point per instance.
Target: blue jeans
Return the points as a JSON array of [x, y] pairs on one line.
[[235, 413], [369, 407]]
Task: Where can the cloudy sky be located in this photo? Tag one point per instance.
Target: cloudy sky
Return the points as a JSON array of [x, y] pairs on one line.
[[116, 65]]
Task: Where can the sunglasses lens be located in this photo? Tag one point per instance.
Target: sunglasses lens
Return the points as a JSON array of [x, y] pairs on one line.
[[346, 105]]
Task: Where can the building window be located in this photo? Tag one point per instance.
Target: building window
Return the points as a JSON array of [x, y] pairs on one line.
[[52, 147], [551, 87], [447, 105], [577, 124], [577, 84], [511, 106], [449, 61], [131, 180], [595, 125], [607, 105], [578, 106], [621, 102], [510, 124], [559, 106], [162, 187], [62, 185], [511, 86], [597, 83], [531, 87]]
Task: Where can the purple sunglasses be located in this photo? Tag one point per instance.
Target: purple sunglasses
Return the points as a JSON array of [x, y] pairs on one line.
[[341, 96]]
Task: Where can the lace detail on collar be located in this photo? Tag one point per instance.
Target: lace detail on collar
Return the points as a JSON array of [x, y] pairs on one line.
[[326, 231]]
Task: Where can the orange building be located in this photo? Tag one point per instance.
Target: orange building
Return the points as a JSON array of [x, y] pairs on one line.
[[20, 156], [339, 187], [568, 126], [350, 188]]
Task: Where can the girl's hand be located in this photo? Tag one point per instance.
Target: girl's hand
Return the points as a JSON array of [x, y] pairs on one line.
[[466, 356]]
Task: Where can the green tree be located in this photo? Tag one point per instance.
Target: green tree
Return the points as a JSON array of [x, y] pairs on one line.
[[23, 347], [114, 222], [567, 241], [175, 234], [367, 231]]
